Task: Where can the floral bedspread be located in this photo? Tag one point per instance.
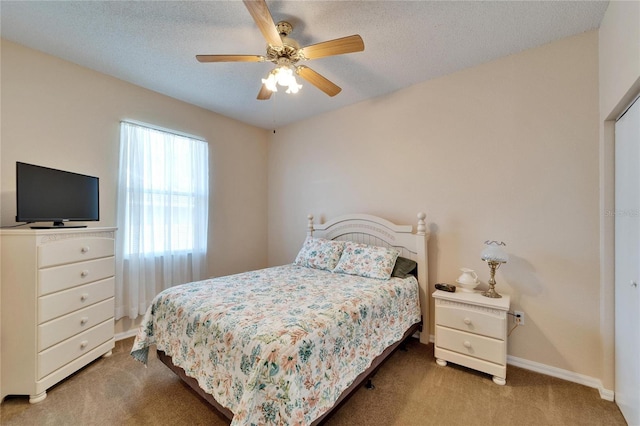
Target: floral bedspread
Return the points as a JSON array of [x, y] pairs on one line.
[[278, 345]]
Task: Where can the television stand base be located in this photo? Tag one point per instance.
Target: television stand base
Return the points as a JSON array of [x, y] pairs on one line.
[[59, 227]]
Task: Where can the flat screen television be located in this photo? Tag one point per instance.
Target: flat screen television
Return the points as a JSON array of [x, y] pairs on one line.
[[44, 194]]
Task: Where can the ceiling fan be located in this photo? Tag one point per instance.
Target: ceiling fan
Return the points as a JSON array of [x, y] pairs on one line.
[[285, 52]]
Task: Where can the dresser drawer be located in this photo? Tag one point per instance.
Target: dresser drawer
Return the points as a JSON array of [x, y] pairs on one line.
[[72, 348], [57, 330], [66, 276], [66, 301], [74, 250], [471, 344], [472, 319]]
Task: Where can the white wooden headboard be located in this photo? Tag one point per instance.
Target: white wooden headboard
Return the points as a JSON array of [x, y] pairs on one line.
[[373, 230]]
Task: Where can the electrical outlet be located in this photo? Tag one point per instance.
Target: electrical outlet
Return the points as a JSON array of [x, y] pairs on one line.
[[518, 317]]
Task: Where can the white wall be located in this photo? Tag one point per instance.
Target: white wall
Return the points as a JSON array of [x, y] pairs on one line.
[[58, 114], [619, 40], [619, 83], [507, 150]]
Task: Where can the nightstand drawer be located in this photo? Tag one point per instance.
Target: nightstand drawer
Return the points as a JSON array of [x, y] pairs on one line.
[[64, 302], [57, 330], [470, 318], [471, 344], [67, 276]]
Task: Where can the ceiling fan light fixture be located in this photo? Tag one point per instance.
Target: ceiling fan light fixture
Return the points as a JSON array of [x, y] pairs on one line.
[[294, 88], [271, 81], [283, 76]]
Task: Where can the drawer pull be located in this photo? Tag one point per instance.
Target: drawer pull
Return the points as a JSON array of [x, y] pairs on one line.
[[84, 320], [467, 344], [84, 297], [467, 321], [84, 249], [84, 273], [84, 344]]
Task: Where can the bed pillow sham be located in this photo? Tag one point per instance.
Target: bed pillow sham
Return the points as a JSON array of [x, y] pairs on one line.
[[366, 261], [404, 268], [319, 253]]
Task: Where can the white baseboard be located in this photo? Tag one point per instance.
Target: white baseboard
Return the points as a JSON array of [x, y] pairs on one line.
[[570, 376], [126, 334], [567, 375]]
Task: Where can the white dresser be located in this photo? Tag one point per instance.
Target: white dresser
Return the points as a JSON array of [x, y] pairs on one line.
[[471, 330], [57, 305]]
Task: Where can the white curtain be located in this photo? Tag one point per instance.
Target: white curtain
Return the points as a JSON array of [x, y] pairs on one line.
[[163, 192]]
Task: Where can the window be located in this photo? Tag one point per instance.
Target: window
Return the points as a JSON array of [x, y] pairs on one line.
[[163, 198]]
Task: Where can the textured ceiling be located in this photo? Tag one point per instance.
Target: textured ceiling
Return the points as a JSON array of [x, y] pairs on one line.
[[153, 44]]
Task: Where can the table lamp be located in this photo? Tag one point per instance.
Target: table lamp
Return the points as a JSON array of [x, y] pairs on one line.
[[494, 254]]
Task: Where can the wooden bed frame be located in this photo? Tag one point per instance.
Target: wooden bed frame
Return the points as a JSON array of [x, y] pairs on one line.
[[370, 230]]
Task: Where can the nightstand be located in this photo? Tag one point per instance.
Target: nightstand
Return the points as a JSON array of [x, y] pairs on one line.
[[471, 330]]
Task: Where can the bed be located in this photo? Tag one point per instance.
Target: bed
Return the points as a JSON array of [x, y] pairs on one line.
[[288, 344]]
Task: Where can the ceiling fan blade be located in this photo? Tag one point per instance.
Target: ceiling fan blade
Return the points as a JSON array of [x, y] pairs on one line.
[[264, 93], [338, 46], [229, 58], [317, 80], [261, 15]]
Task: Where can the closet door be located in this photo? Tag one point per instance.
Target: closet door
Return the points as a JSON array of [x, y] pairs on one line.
[[627, 264]]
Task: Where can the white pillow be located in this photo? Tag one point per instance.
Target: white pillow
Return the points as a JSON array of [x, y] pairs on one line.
[[319, 253], [367, 261]]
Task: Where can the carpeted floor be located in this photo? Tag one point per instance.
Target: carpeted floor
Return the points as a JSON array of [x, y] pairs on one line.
[[410, 389]]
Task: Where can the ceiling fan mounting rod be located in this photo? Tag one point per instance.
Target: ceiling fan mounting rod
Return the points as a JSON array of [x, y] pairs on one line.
[[284, 28]]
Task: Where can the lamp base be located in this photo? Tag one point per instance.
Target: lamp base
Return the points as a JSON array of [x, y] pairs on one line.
[[492, 293]]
